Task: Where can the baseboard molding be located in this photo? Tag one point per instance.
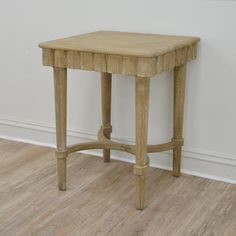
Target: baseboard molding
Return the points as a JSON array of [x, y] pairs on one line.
[[197, 162]]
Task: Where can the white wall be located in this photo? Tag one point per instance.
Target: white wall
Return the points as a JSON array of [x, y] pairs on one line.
[[26, 87]]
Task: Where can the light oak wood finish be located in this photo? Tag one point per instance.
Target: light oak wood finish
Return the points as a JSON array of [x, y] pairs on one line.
[[139, 55], [106, 83], [141, 104], [100, 203], [120, 52], [179, 93], [104, 143], [60, 85]]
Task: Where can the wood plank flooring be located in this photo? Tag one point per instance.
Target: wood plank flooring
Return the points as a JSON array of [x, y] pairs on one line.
[[100, 198]]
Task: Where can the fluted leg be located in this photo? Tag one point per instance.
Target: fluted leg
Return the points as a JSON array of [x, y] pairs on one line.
[[179, 92], [142, 103], [60, 86]]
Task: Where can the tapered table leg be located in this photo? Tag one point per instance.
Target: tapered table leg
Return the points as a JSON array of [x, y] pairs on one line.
[[179, 92], [141, 104], [60, 86], [106, 81]]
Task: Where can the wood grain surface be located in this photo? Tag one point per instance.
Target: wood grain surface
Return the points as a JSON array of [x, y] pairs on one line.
[[100, 198], [121, 43], [60, 92], [178, 115], [120, 52]]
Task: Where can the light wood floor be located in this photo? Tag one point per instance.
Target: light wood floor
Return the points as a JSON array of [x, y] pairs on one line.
[[100, 198]]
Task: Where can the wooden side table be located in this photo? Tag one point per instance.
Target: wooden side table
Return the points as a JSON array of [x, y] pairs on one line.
[[140, 55]]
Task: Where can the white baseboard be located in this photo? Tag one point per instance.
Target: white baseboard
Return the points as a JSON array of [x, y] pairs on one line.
[[197, 162]]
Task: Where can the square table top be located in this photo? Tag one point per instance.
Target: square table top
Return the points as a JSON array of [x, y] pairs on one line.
[[105, 51], [121, 43]]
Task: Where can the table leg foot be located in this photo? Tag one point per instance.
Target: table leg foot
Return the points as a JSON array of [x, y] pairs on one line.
[[176, 161], [61, 170], [140, 182], [106, 155]]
